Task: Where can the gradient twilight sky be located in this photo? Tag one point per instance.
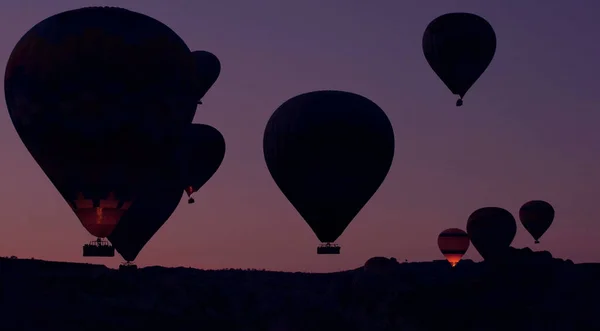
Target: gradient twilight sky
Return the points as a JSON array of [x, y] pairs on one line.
[[528, 130]]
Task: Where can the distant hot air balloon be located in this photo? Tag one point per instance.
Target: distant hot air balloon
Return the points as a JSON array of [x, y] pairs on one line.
[[97, 95], [453, 243], [208, 69], [459, 47], [536, 216], [204, 150], [328, 151], [491, 230]]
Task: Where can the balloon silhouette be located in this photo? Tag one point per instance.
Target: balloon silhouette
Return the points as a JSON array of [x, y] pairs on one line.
[[160, 197], [208, 69], [536, 216], [204, 150], [459, 47], [491, 230], [97, 95], [328, 151], [453, 244], [143, 220]]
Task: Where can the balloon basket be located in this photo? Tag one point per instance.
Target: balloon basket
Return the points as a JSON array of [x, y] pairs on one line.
[[98, 248], [328, 249], [191, 200], [128, 266]]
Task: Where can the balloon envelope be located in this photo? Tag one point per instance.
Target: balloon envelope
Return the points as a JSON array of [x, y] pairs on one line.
[[453, 244], [536, 216], [97, 95], [491, 230], [208, 69], [459, 47], [160, 197], [144, 219], [204, 149], [328, 151]]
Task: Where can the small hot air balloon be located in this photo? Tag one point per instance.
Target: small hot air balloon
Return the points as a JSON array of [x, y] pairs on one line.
[[204, 150], [97, 95], [459, 47], [536, 216], [328, 151], [208, 69], [453, 243], [491, 230]]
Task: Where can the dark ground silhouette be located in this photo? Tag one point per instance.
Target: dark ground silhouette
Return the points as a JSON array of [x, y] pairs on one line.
[[533, 292]]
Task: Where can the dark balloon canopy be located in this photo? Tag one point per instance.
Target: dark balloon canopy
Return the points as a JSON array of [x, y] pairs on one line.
[[160, 197], [328, 151], [204, 150], [144, 219], [453, 244], [459, 47], [208, 69], [536, 216], [491, 230], [97, 95]]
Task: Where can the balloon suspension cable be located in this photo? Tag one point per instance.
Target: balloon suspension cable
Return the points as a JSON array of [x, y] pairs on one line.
[[459, 102], [537, 241], [191, 200]]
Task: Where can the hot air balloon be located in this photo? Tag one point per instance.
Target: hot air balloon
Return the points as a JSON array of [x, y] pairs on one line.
[[328, 152], [204, 150], [208, 68], [160, 197], [97, 95], [144, 219], [453, 243], [536, 216], [459, 47], [491, 230]]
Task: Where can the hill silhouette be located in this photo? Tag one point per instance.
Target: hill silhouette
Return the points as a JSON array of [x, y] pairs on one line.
[[528, 291]]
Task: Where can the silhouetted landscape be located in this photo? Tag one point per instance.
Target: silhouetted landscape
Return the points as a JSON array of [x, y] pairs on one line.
[[534, 291]]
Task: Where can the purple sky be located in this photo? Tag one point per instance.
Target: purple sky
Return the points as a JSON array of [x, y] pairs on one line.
[[528, 130]]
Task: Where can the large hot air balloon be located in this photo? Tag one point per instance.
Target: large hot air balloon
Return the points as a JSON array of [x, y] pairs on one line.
[[97, 95], [204, 150], [536, 216], [491, 230], [208, 69], [453, 243], [459, 47], [328, 151]]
